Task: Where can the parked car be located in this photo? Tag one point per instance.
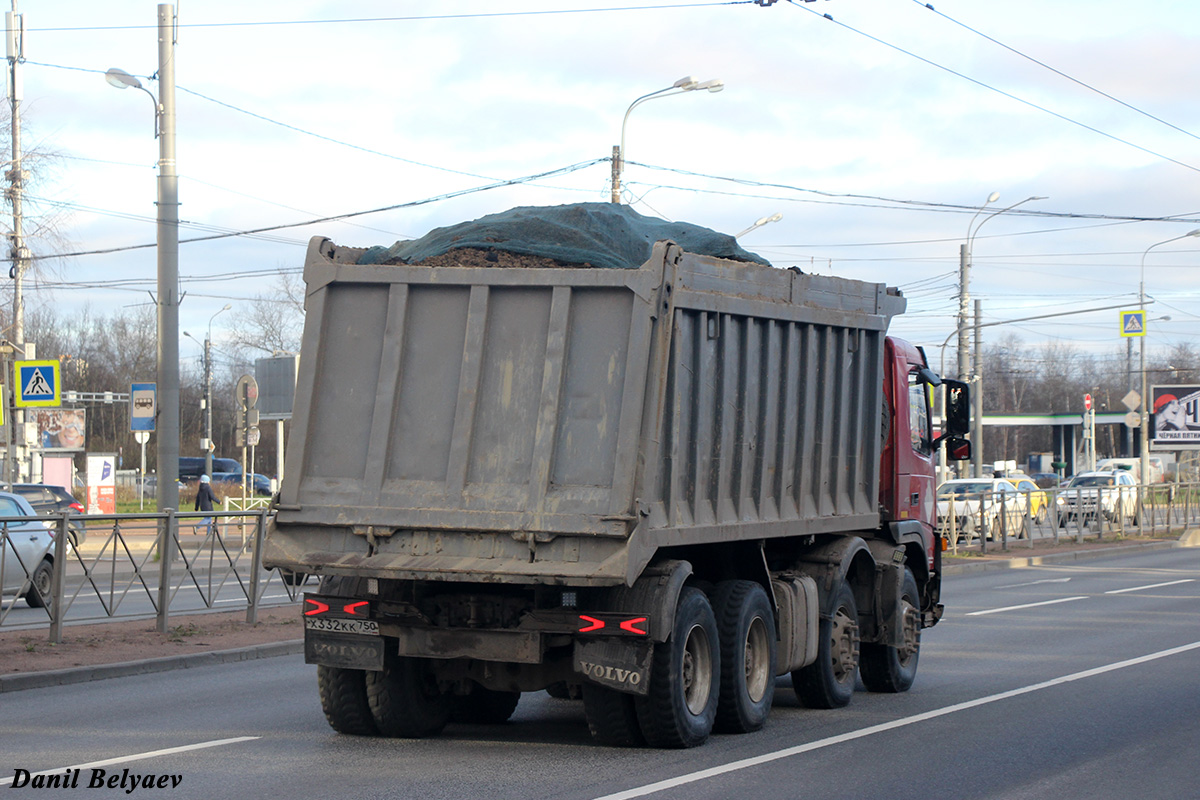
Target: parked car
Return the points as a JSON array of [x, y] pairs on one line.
[[28, 551], [51, 500], [981, 505], [1090, 494], [1039, 503], [192, 467], [1157, 471], [233, 481], [149, 486], [1046, 480]]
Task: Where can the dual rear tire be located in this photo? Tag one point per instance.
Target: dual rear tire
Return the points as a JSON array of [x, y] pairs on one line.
[[715, 672]]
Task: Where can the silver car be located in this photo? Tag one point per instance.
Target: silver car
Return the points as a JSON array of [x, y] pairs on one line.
[[27, 553], [1112, 495]]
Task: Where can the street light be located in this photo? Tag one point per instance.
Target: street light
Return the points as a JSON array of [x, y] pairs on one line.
[[963, 297], [759, 223], [167, 425], [208, 376], [1144, 417], [685, 84]]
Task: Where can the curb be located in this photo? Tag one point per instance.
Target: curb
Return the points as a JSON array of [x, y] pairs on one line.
[[63, 677], [1019, 562]]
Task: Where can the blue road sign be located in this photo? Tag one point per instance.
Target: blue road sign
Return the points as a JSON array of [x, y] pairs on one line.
[[143, 406], [36, 384], [1133, 323]]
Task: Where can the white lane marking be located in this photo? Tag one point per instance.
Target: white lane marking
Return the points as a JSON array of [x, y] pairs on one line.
[[766, 758], [1035, 583], [1026, 605], [1151, 586], [139, 756], [242, 600]]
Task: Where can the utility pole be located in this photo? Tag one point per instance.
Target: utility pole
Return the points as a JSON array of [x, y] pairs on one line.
[[168, 268], [15, 48], [208, 430]]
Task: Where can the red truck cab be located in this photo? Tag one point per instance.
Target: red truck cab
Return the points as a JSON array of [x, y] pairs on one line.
[[908, 483]]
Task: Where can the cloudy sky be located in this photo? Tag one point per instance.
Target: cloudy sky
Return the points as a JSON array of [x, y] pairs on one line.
[[877, 128]]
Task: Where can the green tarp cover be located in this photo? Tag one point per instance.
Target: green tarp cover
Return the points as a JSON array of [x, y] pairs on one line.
[[607, 235]]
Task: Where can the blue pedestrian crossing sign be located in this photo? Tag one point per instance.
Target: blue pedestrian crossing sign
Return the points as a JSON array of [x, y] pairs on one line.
[[1133, 323], [36, 384]]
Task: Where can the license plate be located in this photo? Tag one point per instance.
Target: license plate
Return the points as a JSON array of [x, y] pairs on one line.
[[335, 625]]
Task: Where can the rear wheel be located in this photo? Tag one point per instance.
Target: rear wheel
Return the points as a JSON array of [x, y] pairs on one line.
[[681, 708], [611, 716], [39, 595], [344, 700], [746, 628], [405, 700], [828, 682], [893, 669]]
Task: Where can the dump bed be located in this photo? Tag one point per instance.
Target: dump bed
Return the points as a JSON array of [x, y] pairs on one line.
[[559, 425]]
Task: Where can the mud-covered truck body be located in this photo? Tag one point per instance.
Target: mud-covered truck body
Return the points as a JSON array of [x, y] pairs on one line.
[[657, 485]]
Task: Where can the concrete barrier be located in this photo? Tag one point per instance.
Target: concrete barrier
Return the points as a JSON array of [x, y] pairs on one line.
[[1190, 538]]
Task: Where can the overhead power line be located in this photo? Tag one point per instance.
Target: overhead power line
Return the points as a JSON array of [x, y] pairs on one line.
[[412, 18], [1058, 72], [338, 217], [989, 87]]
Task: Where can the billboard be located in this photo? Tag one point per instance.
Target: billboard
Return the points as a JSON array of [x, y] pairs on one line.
[[1175, 423], [60, 428]]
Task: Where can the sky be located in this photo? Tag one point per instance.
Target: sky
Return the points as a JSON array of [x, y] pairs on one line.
[[878, 129]]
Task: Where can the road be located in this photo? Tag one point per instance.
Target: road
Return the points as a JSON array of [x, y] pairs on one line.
[[1072, 681]]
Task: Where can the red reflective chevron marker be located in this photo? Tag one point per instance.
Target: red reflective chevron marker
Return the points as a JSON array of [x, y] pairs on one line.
[[596, 625], [320, 608], [349, 607], [628, 624]]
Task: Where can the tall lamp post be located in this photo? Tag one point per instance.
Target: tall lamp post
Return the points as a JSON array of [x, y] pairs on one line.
[[167, 425], [963, 336], [208, 375], [1144, 417], [686, 84]]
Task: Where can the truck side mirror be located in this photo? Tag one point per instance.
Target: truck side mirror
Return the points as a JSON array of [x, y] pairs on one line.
[[957, 422], [957, 448]]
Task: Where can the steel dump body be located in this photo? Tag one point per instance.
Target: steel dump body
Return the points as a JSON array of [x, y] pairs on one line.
[[561, 425]]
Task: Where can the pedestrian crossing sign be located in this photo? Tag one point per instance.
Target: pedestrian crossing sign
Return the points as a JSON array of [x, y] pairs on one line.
[[36, 384], [1133, 323]]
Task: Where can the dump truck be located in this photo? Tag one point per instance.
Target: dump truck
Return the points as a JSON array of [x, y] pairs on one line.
[[579, 450]]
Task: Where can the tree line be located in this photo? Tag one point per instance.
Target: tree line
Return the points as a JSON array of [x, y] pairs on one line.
[[106, 352]]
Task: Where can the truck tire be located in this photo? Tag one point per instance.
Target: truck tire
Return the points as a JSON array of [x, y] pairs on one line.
[[893, 669], [344, 700], [746, 629], [405, 700], [483, 706], [38, 595], [681, 708], [611, 717], [829, 681]]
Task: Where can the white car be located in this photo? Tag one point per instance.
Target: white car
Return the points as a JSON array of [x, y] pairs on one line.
[[27, 554], [1088, 494], [970, 505]]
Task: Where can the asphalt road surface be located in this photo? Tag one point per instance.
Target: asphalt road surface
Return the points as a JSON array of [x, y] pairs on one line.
[[1079, 680]]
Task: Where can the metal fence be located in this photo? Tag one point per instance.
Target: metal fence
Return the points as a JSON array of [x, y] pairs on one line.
[[136, 566], [1076, 514]]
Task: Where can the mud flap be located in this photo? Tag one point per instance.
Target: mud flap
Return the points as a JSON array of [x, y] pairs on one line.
[[347, 651], [621, 665]]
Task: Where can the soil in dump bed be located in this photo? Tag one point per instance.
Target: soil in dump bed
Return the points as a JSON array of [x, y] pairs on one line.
[[476, 257]]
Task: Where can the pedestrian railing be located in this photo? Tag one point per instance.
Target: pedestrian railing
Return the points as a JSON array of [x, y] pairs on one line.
[[1075, 514], [138, 566]]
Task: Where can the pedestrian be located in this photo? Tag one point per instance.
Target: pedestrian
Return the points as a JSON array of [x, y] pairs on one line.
[[204, 500]]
